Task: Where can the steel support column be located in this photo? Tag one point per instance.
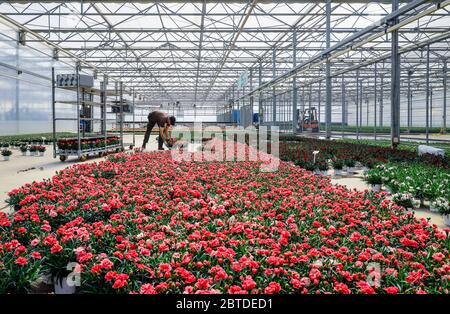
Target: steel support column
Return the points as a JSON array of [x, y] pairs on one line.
[[410, 72], [233, 97], [103, 108], [431, 107], [344, 110], [395, 82], [360, 105], [238, 90], [381, 100], [274, 96], [310, 97], [444, 109], [251, 96], [411, 108], [367, 106], [357, 104], [53, 111], [319, 103], [77, 73], [102, 111], [427, 102], [18, 81], [260, 109], [328, 73], [294, 85], [243, 113], [121, 114], [375, 102], [134, 116], [303, 108]]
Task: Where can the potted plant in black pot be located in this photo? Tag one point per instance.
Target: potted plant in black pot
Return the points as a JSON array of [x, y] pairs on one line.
[[338, 165], [23, 149], [443, 206], [404, 199], [60, 269], [323, 168], [41, 149], [6, 153], [33, 150], [374, 179], [350, 164]]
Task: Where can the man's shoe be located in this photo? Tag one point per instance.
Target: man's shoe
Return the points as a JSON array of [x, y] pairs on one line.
[[162, 148]]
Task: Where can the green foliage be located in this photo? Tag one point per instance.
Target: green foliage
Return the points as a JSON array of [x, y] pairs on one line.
[[423, 182], [373, 177], [350, 162], [20, 139], [338, 164], [406, 146], [6, 152]]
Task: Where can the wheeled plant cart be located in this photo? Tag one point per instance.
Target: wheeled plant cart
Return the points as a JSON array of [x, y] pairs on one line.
[[86, 143]]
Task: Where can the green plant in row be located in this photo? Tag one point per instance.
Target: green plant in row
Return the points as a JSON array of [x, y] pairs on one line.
[[380, 129], [407, 146], [423, 182]]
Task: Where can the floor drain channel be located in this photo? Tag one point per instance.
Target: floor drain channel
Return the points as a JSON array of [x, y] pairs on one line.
[[29, 169]]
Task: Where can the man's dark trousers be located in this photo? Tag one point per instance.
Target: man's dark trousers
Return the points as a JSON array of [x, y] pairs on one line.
[[152, 120]]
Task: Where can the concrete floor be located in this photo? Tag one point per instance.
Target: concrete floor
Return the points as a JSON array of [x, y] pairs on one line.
[[26, 169]]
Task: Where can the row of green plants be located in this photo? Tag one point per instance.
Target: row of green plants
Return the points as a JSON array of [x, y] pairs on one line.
[[322, 165], [29, 139], [382, 129], [409, 146], [411, 184], [33, 149]]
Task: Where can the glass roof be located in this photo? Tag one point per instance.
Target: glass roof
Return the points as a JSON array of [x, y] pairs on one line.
[[196, 51]]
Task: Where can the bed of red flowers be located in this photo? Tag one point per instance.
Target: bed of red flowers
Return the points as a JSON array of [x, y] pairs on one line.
[[299, 150], [146, 223], [87, 142]]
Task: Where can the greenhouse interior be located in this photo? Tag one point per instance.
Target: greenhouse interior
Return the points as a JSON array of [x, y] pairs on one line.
[[224, 147]]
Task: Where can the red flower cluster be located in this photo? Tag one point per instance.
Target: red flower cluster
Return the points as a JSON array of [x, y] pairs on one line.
[[299, 150], [158, 225], [86, 143]]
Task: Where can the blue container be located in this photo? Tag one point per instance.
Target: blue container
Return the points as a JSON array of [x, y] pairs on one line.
[[236, 116], [255, 117]]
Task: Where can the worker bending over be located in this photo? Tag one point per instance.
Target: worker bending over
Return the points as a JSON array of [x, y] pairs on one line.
[[164, 122]]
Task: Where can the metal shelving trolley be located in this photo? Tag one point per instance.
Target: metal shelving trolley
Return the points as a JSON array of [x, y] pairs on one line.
[[86, 142]]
